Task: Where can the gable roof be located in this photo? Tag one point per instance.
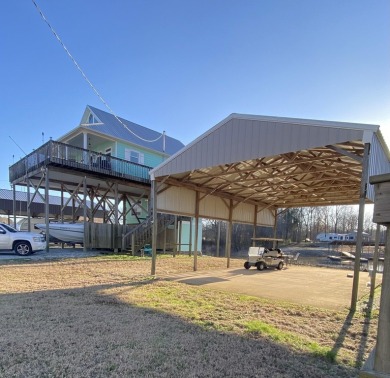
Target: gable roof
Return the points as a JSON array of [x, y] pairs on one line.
[[282, 162], [241, 137], [110, 126]]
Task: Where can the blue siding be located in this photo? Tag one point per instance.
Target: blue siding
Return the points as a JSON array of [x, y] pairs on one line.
[[185, 236], [102, 147], [151, 159], [132, 219]]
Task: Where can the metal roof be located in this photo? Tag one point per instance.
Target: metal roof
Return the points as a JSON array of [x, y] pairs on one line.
[[37, 207], [7, 194], [108, 125], [278, 162]]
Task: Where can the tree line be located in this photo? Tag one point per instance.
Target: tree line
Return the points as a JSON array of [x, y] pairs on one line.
[[293, 225]]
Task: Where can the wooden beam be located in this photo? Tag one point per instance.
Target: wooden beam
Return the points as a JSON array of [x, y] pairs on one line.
[[196, 231], [154, 227], [229, 235], [359, 239], [346, 153]]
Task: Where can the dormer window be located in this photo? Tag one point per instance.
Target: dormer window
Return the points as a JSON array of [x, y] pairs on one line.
[[91, 118]]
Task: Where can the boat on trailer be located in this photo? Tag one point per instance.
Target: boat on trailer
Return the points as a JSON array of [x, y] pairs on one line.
[[334, 258], [65, 232], [346, 257]]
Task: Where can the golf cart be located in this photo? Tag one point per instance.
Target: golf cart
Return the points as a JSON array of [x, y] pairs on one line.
[[263, 258]]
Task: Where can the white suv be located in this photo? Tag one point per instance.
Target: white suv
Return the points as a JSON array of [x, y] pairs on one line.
[[23, 243]]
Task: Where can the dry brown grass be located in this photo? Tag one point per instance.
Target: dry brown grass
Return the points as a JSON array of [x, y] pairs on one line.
[[102, 317]]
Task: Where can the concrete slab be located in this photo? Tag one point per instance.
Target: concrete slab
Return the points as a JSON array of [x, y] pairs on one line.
[[315, 286]]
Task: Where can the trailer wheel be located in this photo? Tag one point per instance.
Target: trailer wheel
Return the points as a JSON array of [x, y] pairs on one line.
[[260, 265], [280, 265], [247, 265]]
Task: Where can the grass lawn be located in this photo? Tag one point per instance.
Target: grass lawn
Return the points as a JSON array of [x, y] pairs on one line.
[[106, 317]]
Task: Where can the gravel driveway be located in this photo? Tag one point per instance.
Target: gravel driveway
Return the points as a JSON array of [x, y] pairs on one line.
[[54, 253]]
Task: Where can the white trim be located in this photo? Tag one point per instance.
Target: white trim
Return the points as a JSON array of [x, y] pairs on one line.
[[140, 155], [91, 124], [309, 122], [367, 136]]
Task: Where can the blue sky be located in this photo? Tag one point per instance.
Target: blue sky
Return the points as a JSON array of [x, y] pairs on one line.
[[182, 66]]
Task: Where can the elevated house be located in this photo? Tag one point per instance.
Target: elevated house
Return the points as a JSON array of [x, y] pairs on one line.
[[120, 147], [103, 163]]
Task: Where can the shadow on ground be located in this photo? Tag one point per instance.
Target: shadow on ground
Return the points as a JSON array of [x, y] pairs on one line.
[[85, 332]]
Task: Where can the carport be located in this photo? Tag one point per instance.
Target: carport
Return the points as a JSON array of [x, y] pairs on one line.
[[247, 167]]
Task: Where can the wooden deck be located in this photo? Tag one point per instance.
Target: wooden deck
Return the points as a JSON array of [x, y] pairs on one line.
[[63, 155]]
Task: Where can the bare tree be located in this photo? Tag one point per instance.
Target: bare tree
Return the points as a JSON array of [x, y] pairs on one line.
[[307, 220]]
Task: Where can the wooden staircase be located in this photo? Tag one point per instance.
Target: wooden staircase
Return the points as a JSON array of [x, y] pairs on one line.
[[141, 234]]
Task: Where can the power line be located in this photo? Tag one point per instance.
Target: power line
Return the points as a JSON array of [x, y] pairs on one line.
[[86, 78], [20, 148]]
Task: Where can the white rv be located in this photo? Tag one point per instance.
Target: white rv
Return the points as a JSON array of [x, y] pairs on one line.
[[331, 236], [327, 237]]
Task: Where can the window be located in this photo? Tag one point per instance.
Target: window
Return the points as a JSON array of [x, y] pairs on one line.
[[134, 156], [137, 209], [92, 119]]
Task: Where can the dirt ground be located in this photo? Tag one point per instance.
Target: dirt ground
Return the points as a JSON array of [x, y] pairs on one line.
[[315, 286], [104, 316]]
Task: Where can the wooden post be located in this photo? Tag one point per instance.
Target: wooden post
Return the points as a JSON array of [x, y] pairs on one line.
[[190, 238], [218, 237], [275, 228], [14, 203], [375, 261], [73, 208], [196, 230], [124, 222], [133, 244], [226, 239], [359, 240], [85, 213], [378, 363], [254, 227], [180, 232], [28, 207], [116, 215], [229, 234], [62, 210], [165, 240], [382, 360], [154, 227], [91, 209], [175, 237], [62, 203], [47, 203]]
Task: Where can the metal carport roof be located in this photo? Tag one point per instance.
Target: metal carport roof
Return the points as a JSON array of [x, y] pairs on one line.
[[270, 163], [276, 162], [247, 166]]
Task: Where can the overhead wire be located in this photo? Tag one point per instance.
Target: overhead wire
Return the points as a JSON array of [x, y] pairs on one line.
[[86, 78]]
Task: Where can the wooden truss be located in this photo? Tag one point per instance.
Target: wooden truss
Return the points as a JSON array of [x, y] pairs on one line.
[[322, 176]]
